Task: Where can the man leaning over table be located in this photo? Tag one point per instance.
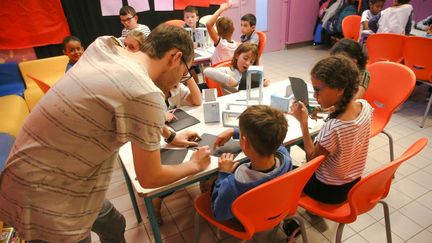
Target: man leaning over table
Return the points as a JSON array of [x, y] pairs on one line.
[[54, 184]]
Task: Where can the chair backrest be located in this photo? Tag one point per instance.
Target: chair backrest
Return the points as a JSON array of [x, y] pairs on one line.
[[212, 84], [175, 22], [262, 42], [11, 81], [268, 204], [48, 69], [387, 78], [42, 85], [351, 27], [376, 185], [418, 56], [385, 47]]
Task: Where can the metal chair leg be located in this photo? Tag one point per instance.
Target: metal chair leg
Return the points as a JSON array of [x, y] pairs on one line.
[[302, 227], [426, 112], [273, 234], [131, 192], [387, 221], [390, 144], [339, 233]]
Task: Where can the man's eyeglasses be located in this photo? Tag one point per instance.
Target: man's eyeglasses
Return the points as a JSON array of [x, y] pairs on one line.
[[187, 75], [127, 19]]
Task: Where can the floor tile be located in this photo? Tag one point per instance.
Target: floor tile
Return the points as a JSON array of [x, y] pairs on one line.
[[422, 237], [418, 213], [376, 234], [409, 188], [401, 225]]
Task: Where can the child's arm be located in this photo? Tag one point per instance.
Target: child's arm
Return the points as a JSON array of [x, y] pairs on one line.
[[194, 97], [223, 195], [224, 137], [409, 24], [299, 111], [364, 20], [220, 76], [212, 20], [365, 25]]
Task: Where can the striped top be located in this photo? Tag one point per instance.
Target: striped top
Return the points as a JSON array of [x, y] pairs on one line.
[[140, 27], [59, 169], [347, 143]]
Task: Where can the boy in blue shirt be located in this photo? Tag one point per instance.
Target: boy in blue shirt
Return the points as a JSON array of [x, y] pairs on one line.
[[248, 23], [261, 132]]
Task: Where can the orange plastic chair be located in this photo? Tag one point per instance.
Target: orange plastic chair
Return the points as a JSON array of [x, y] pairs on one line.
[[385, 47], [262, 42], [42, 85], [212, 84], [263, 207], [387, 78], [351, 27], [175, 22], [416, 57], [364, 196]]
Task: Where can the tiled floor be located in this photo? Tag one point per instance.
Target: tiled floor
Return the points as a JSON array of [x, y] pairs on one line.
[[410, 198]]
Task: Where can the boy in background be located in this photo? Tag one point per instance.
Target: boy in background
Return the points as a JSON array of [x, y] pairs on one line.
[[129, 19], [262, 130], [191, 18], [248, 23], [73, 49]]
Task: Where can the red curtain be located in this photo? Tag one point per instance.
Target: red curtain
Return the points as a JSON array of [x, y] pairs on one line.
[[181, 4], [31, 23]]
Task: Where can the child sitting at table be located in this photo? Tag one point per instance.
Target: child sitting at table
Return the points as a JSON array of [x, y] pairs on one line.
[[229, 77], [129, 20], [248, 24], [73, 49], [343, 139], [134, 40], [396, 19], [375, 7], [223, 42], [262, 130]]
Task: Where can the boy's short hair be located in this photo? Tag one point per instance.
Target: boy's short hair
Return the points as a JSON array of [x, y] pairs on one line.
[[166, 37], [264, 127], [250, 18], [375, 1], [225, 27], [191, 9], [68, 39], [403, 1], [125, 10]]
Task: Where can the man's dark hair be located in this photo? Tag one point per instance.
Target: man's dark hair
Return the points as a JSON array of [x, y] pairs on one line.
[[166, 37]]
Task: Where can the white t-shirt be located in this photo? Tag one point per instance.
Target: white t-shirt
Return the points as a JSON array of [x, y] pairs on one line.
[[224, 50], [394, 19], [347, 143], [60, 167], [178, 96], [223, 75]]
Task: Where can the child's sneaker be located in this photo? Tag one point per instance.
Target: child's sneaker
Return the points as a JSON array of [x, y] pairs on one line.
[[291, 228]]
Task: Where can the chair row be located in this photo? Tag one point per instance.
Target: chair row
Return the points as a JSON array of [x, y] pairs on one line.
[[266, 206], [412, 51], [16, 78]]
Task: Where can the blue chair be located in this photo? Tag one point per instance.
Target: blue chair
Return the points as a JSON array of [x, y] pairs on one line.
[[6, 142], [11, 81]]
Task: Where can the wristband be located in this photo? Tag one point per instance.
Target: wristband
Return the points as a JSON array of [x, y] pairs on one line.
[[171, 137]]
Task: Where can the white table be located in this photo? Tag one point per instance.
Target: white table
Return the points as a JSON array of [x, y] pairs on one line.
[[293, 137]]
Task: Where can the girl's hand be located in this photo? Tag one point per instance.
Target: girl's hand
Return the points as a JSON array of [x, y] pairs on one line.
[[227, 164], [299, 111], [266, 82], [224, 6]]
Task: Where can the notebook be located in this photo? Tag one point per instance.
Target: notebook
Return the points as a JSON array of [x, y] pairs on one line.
[[183, 120], [299, 89], [173, 156]]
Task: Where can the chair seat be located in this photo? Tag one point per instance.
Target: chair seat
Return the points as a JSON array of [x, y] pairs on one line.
[[203, 207], [335, 212]]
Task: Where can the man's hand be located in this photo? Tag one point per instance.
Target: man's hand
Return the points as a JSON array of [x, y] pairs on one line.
[[185, 139], [223, 137], [169, 116], [201, 158], [227, 164]]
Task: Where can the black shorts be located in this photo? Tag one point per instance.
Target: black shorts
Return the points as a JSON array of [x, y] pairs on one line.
[[331, 194]]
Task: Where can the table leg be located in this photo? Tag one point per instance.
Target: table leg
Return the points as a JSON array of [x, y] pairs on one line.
[[131, 193], [153, 219]]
